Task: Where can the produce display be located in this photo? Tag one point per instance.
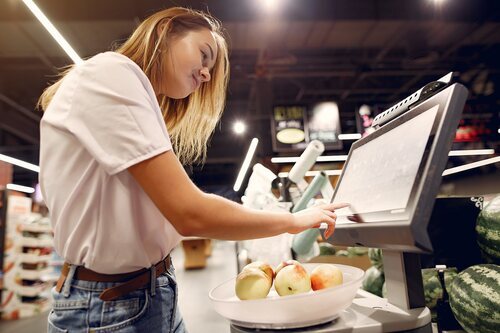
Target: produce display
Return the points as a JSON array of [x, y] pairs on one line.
[[475, 298], [290, 278], [373, 281], [326, 249], [488, 231], [433, 291], [375, 256]]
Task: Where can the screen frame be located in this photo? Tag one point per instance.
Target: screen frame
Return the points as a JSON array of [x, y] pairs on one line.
[[410, 234]]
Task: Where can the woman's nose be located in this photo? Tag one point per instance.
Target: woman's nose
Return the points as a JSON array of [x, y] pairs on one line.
[[205, 74]]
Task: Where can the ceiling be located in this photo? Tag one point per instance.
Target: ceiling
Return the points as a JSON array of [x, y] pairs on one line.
[[350, 51]]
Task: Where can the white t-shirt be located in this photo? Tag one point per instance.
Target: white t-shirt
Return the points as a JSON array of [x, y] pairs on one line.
[[103, 119]]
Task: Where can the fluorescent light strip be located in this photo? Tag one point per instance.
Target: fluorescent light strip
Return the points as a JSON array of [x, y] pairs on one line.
[[314, 173], [337, 158], [53, 31], [471, 152], [20, 188], [246, 164], [291, 159], [469, 166], [354, 136], [20, 163]]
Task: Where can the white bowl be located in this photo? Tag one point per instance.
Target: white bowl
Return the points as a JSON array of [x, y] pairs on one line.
[[298, 310]]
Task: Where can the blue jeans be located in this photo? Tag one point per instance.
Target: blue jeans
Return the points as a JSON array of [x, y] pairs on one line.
[[78, 308]]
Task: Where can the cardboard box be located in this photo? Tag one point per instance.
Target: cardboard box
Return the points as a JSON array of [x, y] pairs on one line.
[[196, 251]]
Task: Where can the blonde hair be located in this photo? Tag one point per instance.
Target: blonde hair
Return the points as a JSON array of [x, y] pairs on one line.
[[190, 121]]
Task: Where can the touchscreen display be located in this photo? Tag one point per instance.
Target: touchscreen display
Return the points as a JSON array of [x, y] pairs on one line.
[[378, 178]]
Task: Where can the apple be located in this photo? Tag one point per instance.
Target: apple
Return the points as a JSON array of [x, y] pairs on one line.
[[292, 279], [252, 283], [263, 266], [326, 276], [286, 263]]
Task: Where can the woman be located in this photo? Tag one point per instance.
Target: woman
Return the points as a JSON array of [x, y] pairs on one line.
[[118, 195]]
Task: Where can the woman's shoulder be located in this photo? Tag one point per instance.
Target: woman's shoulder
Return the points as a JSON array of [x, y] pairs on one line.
[[112, 62]]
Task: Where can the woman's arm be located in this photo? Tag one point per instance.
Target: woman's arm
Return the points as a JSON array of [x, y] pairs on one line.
[[194, 213]]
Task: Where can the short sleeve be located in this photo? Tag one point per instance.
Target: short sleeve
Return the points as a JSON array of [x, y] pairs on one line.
[[115, 115]]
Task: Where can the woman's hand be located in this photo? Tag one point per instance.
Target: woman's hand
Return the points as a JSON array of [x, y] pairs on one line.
[[314, 216]]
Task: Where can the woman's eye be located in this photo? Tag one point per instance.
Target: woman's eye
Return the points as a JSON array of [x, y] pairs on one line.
[[204, 56]]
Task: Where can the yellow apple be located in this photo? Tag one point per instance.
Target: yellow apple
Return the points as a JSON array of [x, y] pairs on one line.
[[263, 266], [252, 283], [292, 279], [326, 276]]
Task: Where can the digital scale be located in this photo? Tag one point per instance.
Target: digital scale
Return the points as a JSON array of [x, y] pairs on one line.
[[391, 179]]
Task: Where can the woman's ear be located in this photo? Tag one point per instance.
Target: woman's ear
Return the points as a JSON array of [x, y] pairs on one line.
[[159, 29]]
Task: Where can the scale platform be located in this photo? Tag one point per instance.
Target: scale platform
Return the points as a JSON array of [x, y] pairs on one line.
[[368, 313]]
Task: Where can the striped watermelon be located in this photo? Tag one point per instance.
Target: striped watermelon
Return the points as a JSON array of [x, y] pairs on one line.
[[373, 281], [488, 231], [475, 298], [375, 256]]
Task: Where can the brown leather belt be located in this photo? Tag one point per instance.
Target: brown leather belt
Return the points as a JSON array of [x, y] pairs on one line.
[[131, 281]]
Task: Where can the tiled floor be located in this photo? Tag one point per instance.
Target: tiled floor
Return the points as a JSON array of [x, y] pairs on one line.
[[194, 286]]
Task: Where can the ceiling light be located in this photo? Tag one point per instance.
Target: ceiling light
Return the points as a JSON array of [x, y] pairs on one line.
[[339, 158], [471, 152], [471, 165], [354, 136], [270, 5], [246, 164], [20, 163], [314, 173], [333, 158], [53, 31], [20, 188], [239, 127]]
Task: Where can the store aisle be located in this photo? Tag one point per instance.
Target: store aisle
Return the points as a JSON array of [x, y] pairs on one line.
[[194, 286]]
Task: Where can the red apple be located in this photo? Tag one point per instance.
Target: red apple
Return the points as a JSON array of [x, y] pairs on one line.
[[326, 276]]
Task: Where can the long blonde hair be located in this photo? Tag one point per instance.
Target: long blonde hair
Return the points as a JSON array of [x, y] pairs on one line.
[[190, 121]]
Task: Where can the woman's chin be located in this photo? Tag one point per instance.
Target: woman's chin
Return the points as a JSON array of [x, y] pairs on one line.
[[179, 95]]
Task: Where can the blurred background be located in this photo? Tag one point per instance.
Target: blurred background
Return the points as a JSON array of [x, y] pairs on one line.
[[287, 58]]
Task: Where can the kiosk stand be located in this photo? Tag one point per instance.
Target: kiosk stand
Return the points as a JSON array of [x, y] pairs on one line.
[[391, 180]]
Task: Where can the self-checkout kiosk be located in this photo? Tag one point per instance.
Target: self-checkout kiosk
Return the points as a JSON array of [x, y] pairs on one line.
[[391, 179]]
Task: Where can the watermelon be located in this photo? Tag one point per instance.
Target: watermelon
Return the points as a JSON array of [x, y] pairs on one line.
[[475, 298], [433, 290], [432, 287], [488, 231], [373, 281], [375, 256]]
